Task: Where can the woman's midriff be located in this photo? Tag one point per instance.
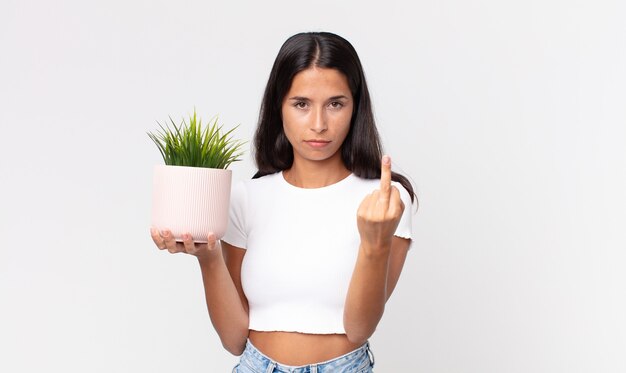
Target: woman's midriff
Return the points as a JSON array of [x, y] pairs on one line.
[[300, 349]]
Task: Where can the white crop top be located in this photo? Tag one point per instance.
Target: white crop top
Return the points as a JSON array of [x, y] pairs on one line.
[[301, 248]]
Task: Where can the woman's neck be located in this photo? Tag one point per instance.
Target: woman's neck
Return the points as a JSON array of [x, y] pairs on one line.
[[315, 174]]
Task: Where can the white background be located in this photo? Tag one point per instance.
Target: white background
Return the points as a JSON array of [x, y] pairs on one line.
[[509, 116]]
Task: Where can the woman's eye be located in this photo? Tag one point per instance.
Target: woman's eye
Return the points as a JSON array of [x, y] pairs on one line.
[[336, 105], [300, 105]]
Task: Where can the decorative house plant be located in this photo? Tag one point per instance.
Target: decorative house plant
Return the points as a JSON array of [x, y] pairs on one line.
[[191, 192]]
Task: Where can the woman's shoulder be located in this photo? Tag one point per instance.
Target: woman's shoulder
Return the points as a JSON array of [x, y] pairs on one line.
[[250, 192], [258, 184], [372, 184], [264, 180]]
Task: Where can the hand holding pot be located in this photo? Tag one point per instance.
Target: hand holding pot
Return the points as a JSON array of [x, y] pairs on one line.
[[164, 240]]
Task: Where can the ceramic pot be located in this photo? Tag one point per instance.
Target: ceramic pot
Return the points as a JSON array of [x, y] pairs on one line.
[[191, 199]]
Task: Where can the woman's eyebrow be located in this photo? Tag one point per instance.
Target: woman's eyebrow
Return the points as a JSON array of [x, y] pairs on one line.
[[299, 98], [302, 98]]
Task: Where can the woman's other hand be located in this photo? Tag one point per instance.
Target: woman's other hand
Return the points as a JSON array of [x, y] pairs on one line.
[[379, 213], [164, 240]]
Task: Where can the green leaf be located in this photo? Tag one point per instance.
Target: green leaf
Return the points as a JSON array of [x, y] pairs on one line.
[[194, 145]]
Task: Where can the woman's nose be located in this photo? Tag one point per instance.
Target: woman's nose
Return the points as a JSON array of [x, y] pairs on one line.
[[318, 123]]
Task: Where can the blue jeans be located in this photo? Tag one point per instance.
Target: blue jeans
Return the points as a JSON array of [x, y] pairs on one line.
[[360, 360]]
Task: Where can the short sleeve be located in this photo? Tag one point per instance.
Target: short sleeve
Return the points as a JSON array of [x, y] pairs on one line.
[[404, 229], [236, 233]]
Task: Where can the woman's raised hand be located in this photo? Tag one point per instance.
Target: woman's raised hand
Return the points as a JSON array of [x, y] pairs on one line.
[[379, 213], [164, 240]]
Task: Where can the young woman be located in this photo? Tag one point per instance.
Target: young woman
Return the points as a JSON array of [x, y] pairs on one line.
[[318, 238]]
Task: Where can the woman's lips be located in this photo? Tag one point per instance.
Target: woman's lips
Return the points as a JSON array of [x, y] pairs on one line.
[[317, 143]]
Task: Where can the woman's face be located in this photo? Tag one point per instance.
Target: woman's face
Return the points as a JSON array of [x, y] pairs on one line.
[[316, 114]]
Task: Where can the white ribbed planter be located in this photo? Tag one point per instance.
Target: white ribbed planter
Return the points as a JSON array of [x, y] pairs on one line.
[[191, 199]]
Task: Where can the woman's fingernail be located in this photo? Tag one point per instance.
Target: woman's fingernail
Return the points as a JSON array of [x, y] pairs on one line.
[[386, 159]]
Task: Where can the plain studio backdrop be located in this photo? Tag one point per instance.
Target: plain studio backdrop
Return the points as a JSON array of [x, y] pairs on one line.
[[509, 117]]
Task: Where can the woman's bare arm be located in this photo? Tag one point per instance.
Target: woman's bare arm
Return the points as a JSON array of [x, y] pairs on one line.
[[220, 265], [397, 257], [380, 259], [228, 312], [373, 281]]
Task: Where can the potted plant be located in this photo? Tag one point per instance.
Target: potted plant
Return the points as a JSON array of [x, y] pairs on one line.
[[191, 192]]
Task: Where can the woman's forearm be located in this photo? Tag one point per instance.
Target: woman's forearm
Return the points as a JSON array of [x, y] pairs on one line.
[[367, 294], [228, 315]]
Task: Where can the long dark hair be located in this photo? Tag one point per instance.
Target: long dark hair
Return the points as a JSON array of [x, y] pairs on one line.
[[361, 151]]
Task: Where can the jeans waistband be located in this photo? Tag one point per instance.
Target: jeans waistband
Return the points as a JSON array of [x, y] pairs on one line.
[[360, 353]]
